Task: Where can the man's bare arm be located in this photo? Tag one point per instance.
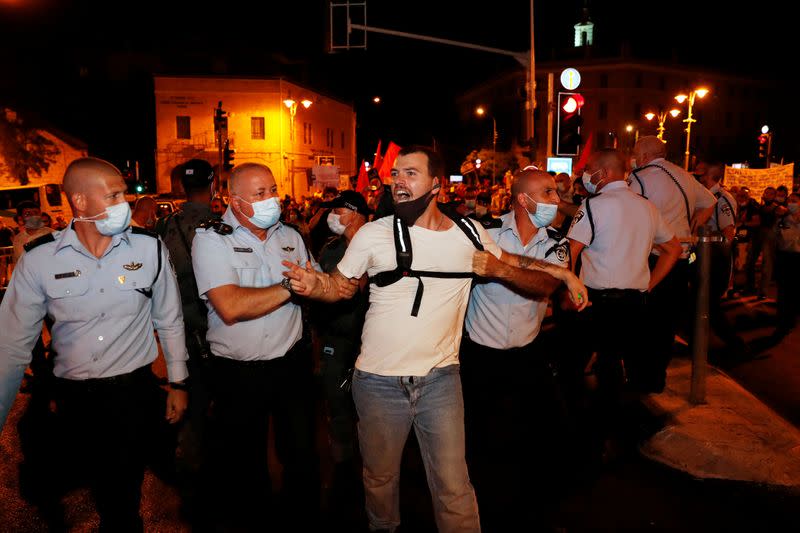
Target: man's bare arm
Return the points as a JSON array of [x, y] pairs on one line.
[[237, 304], [320, 286], [535, 277]]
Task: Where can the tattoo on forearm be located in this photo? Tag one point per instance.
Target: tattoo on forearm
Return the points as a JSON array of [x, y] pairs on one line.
[[531, 263], [523, 261]]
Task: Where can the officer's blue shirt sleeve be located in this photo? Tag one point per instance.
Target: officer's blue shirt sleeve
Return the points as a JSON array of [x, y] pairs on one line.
[[211, 262], [21, 314]]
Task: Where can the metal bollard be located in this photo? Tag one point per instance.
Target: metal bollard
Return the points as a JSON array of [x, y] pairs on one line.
[[697, 393]]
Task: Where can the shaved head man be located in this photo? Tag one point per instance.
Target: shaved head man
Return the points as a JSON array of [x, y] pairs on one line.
[[106, 286], [648, 148]]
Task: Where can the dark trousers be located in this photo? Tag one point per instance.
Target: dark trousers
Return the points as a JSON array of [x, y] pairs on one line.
[[788, 276], [667, 306], [338, 356], [246, 394], [110, 424], [513, 418]]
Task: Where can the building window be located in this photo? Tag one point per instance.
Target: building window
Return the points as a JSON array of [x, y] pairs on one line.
[[257, 128], [637, 110], [603, 81], [639, 80], [307, 133], [342, 140], [329, 137], [184, 127], [602, 111]]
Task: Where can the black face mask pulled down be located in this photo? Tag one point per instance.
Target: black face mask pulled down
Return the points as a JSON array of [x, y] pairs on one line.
[[410, 211]]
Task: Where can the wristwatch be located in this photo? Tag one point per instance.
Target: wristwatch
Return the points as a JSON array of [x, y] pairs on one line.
[[286, 283], [179, 385]]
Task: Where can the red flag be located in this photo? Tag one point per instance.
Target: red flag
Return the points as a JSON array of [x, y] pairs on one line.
[[388, 161], [362, 186], [376, 164], [587, 151]]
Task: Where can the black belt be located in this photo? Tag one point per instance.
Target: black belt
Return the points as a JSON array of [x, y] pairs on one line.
[[121, 379], [614, 294]]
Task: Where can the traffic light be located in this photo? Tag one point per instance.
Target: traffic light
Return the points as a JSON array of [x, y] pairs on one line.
[[220, 119], [227, 156], [138, 187], [568, 127], [763, 146]]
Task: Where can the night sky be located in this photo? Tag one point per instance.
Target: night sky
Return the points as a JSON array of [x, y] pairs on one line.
[[86, 67]]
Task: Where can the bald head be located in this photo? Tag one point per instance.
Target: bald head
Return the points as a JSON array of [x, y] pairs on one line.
[[528, 179], [244, 173], [87, 172], [531, 186], [606, 166], [648, 148]]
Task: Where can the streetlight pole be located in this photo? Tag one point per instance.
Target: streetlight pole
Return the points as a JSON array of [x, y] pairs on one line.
[[291, 105], [689, 119], [662, 118], [480, 111], [494, 150]]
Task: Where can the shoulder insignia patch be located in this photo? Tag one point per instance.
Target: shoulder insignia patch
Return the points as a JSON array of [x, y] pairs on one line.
[[578, 216], [141, 231], [44, 239]]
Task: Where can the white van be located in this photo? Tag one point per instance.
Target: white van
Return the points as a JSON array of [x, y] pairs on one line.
[[49, 197]]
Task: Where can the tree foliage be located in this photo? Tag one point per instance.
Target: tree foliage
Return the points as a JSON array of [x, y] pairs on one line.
[[23, 148]]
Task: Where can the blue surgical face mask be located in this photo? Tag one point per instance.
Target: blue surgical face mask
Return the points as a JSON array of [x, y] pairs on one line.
[[117, 220], [265, 213], [591, 188], [544, 215]]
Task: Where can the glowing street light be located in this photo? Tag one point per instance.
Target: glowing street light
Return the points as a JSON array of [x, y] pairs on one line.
[[681, 98], [480, 111], [291, 105], [662, 117]]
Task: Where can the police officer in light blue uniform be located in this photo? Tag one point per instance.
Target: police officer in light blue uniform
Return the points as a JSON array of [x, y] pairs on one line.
[[260, 363], [105, 286], [505, 374]]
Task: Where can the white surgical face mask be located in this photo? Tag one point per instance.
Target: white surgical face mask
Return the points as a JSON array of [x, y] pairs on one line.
[[335, 223], [117, 220], [591, 188], [544, 215], [266, 213]]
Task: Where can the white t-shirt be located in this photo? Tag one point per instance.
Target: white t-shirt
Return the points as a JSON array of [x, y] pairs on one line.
[[393, 342]]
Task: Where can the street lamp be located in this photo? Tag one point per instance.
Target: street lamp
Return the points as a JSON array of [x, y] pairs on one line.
[[662, 117], [699, 93], [480, 111], [291, 105]]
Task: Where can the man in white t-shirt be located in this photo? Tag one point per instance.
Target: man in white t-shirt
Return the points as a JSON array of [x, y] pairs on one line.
[[407, 373]]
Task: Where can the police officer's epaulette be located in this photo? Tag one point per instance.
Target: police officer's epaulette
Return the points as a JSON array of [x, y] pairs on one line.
[[555, 234], [217, 225], [491, 223], [38, 241], [141, 231], [290, 225]]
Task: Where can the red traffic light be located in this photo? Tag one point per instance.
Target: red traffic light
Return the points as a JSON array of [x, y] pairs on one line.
[[763, 138], [572, 103]]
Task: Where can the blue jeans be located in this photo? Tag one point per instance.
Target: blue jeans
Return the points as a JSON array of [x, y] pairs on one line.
[[388, 406]]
